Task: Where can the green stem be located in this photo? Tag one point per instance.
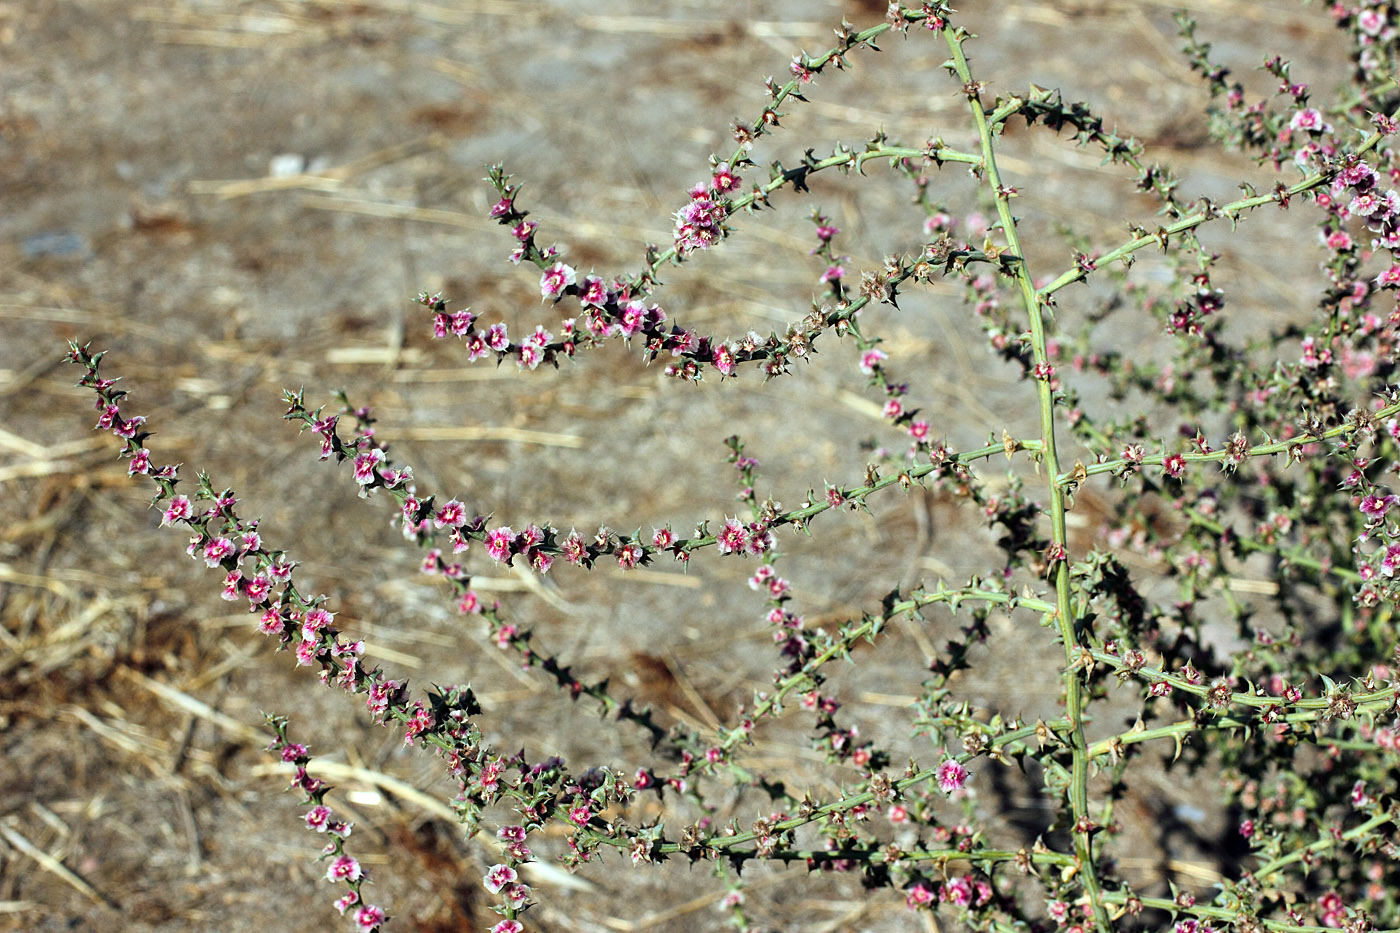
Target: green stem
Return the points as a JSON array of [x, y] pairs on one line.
[[1064, 616], [1191, 221]]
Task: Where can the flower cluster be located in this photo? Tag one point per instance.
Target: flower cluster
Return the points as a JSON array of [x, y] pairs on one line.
[[340, 867]]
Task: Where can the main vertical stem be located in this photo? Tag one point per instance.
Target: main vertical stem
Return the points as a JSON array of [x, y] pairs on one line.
[[1074, 687]]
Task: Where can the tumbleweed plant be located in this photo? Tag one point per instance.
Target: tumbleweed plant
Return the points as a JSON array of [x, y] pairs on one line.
[[1224, 620]]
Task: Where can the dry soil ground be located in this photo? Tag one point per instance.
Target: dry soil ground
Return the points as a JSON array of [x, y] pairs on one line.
[[234, 197]]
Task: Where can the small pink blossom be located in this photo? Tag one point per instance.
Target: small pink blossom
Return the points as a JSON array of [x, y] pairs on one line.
[[724, 180], [918, 896], [724, 359], [1308, 119], [271, 623], [516, 895], [318, 818], [1374, 507], [316, 621], [508, 926], [452, 515], [629, 555], [366, 461], [498, 876], [1370, 21], [369, 918], [499, 542], [344, 868], [1390, 278], [178, 510], [216, 550], [306, 652], [555, 279], [419, 722], [731, 538], [496, 337], [952, 776], [872, 358]]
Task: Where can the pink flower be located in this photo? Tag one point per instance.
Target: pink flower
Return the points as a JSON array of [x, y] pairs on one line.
[[346, 901], [499, 542], [1390, 278], [344, 869], [629, 555], [216, 550], [872, 358], [508, 926], [574, 549], [731, 537], [761, 540], [318, 818], [178, 510], [919, 896], [724, 359], [419, 721], [632, 318], [555, 279], [271, 623], [951, 776], [496, 337], [316, 620], [957, 891], [594, 293], [724, 180], [233, 586], [379, 695], [369, 917], [1308, 119], [498, 876], [1174, 465], [365, 463], [452, 515], [1374, 507], [257, 588], [580, 815]]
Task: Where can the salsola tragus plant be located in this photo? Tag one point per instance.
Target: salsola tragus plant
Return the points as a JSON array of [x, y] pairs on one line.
[[1214, 451]]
